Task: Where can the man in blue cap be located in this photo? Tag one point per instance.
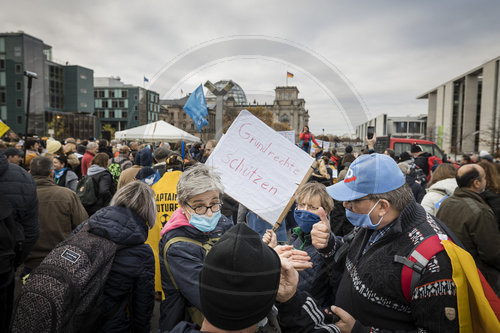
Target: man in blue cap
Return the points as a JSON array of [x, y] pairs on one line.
[[389, 225]]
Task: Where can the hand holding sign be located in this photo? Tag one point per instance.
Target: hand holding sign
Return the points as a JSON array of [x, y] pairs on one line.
[[270, 238], [320, 233]]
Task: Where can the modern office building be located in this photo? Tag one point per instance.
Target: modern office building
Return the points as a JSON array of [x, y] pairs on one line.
[[409, 127], [464, 113], [123, 106], [287, 109], [61, 98]]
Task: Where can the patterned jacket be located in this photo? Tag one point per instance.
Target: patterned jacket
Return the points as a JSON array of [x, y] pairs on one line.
[[371, 291]]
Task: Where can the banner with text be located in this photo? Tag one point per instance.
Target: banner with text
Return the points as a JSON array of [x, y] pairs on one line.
[[259, 167], [324, 144]]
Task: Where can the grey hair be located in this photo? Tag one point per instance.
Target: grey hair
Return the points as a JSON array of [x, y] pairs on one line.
[[398, 198], [41, 166], [139, 198], [91, 145], [196, 180]]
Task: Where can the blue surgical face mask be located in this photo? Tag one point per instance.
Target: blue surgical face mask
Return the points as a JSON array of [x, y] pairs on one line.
[[205, 223], [305, 220], [362, 220]]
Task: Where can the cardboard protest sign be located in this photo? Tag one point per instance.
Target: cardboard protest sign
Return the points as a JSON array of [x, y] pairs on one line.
[[290, 135], [259, 167]]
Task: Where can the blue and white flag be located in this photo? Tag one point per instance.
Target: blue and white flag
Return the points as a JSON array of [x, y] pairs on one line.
[[146, 79], [196, 108]]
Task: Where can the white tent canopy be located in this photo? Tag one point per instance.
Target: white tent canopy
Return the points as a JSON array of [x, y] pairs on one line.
[[157, 131]]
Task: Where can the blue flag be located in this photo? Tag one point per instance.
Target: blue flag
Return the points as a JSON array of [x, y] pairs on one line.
[[196, 108], [146, 79]]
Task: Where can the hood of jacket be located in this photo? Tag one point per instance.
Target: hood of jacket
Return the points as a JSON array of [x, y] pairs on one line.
[[144, 157], [120, 225], [447, 186], [95, 169], [177, 220]]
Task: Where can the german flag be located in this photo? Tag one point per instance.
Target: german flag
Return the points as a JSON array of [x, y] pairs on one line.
[[288, 74]]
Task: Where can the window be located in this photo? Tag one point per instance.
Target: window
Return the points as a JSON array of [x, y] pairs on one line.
[[101, 93], [83, 105], [18, 69], [19, 103], [414, 127], [124, 93], [401, 126], [114, 104], [83, 76], [2, 97], [111, 114], [19, 119], [135, 97], [401, 147], [284, 118], [95, 94], [112, 93], [121, 104], [2, 63], [18, 86], [124, 114], [105, 104], [83, 90], [135, 117], [3, 113]]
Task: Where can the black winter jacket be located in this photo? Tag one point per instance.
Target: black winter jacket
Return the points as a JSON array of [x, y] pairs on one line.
[[321, 280], [493, 200], [19, 187], [185, 262], [371, 291], [105, 189], [131, 279]]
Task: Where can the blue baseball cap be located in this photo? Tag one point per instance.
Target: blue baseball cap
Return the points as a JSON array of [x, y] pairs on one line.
[[368, 174]]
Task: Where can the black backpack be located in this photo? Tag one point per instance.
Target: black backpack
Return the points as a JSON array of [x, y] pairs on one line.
[[64, 293], [11, 242], [87, 191]]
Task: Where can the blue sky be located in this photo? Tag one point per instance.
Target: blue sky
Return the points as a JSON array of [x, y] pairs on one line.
[[388, 51]]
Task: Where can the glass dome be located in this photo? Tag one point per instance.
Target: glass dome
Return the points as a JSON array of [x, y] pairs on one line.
[[236, 92]]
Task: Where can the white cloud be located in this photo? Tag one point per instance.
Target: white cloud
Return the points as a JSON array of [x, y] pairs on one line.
[[390, 51]]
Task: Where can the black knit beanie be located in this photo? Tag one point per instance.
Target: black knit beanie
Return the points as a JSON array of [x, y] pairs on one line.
[[239, 280]]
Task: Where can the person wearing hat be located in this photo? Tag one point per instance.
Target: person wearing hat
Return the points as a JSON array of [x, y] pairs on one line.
[[242, 279], [388, 223], [14, 155], [160, 155], [53, 149]]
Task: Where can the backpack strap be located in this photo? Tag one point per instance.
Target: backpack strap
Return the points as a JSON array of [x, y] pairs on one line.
[[206, 246], [415, 263]]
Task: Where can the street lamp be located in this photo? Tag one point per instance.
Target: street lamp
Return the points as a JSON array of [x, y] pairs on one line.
[[30, 76]]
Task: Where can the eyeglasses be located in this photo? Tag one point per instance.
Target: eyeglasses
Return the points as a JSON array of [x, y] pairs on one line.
[[306, 207], [202, 210]]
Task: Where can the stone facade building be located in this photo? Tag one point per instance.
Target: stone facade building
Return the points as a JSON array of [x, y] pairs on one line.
[[287, 108], [464, 113]]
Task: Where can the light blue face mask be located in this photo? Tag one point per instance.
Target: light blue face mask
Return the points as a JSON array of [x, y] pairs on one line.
[[205, 223], [362, 220]]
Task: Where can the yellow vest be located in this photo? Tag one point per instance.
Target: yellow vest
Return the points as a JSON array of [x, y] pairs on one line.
[[166, 203]]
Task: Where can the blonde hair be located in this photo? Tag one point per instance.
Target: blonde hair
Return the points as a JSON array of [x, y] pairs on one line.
[[310, 190], [139, 198]]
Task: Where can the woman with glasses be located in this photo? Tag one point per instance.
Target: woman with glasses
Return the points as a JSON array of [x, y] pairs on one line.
[[186, 238]]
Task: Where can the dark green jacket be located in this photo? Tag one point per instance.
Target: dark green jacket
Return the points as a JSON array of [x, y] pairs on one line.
[[473, 222]]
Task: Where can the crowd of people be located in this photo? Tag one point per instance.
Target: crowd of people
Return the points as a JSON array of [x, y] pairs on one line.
[[210, 264]]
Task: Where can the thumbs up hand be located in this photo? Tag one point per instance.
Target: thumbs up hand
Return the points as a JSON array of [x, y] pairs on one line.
[[320, 233]]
